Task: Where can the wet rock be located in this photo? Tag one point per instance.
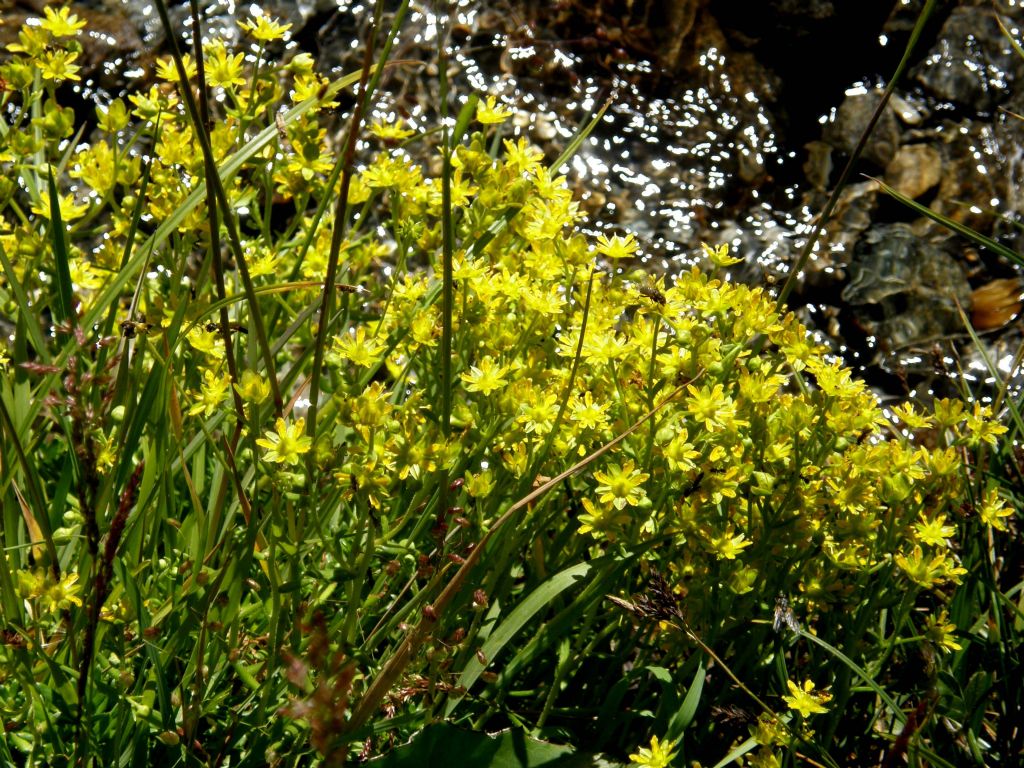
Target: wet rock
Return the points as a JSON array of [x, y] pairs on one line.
[[852, 215], [914, 170], [905, 290], [979, 166], [972, 63], [671, 22], [818, 165], [853, 116]]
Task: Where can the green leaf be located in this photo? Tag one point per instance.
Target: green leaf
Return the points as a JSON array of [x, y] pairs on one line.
[[526, 610], [688, 710], [63, 306], [465, 115]]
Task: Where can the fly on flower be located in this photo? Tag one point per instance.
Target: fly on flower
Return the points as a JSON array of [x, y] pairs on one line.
[[650, 291]]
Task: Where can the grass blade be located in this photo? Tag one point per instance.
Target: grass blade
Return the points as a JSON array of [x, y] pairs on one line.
[[513, 623], [63, 307], [955, 226]]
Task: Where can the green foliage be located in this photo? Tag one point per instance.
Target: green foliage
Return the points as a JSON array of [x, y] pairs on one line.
[[194, 571]]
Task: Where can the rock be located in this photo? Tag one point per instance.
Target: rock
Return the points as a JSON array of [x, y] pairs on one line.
[[972, 62], [671, 22], [905, 290], [852, 118], [914, 170]]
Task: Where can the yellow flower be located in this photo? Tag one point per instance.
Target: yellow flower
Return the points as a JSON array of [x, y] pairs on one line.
[[165, 69], [359, 349], [490, 113], [806, 700], [621, 485], [521, 157], [391, 131], [215, 389], [62, 595], [981, 427], [598, 521], [253, 387], [659, 755], [52, 596], [618, 247], [719, 255], [993, 511], [486, 377], [588, 414], [205, 340], [113, 117], [264, 28], [537, 414], [61, 23], [727, 545], [911, 417], [929, 573], [941, 631], [933, 532], [710, 406], [286, 444], [223, 69], [948, 413], [69, 209]]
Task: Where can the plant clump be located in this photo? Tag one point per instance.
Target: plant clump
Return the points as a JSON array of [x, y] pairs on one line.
[[177, 509]]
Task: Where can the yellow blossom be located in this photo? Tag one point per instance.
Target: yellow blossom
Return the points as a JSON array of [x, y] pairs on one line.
[[223, 69], [215, 389], [521, 157], [69, 209], [599, 521], [728, 544], [57, 66], [167, 71], [61, 23], [393, 130], [488, 112], [806, 700], [941, 631], [264, 28], [933, 532], [486, 377], [719, 255], [926, 572], [286, 444], [993, 510], [359, 349], [253, 388], [660, 754], [588, 414], [621, 485], [617, 247]]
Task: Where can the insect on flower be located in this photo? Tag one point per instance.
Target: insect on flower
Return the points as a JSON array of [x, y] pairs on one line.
[[650, 290]]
